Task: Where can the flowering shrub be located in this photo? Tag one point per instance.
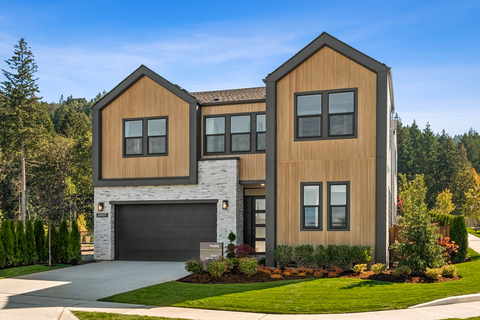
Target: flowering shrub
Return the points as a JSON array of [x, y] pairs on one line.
[[276, 276], [193, 266], [320, 272], [402, 271], [449, 247], [434, 273], [360, 268], [216, 268], [449, 271], [248, 266], [378, 268]]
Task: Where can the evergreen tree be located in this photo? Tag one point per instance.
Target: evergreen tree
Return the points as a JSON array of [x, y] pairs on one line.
[[52, 238], [406, 157], [22, 114], [428, 162], [16, 260], [22, 244], [40, 239], [32, 256], [74, 248], [417, 149], [471, 141], [8, 244], [448, 166], [472, 197], [2, 256], [62, 242]]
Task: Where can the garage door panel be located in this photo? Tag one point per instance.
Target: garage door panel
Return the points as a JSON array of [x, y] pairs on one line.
[[164, 231]]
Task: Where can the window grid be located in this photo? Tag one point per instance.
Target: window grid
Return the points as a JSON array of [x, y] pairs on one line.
[[330, 226], [260, 132], [144, 138], [215, 135], [318, 206]]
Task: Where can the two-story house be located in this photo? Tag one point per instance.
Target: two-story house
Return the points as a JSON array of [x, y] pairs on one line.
[[308, 159]]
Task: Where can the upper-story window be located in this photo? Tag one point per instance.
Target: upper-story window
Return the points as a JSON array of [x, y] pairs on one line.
[[329, 114], [145, 137], [234, 134]]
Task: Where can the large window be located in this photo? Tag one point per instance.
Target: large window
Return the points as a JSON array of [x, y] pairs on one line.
[[311, 206], [329, 114], [338, 216], [234, 134], [145, 137]]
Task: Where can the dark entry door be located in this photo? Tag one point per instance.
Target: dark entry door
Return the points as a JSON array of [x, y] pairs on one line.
[[163, 232], [255, 222]]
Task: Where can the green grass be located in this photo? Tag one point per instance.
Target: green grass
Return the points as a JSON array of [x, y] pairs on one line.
[[472, 231], [82, 315], [305, 296], [21, 271]]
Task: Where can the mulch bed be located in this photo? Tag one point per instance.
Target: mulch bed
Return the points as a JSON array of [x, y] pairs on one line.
[[235, 276]]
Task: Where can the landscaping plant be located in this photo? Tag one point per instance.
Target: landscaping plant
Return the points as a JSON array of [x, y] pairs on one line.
[[321, 256], [8, 245], [449, 247], [449, 271], [378, 268], [17, 261], [2, 256], [459, 234], [194, 266], [231, 253], [360, 254], [248, 266], [359, 268], [434, 273], [31, 250], [22, 244], [403, 271], [62, 242], [283, 255], [216, 268], [74, 251], [240, 251], [39, 232], [303, 255], [339, 255]]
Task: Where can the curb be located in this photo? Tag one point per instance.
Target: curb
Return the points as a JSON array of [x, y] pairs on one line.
[[450, 300]]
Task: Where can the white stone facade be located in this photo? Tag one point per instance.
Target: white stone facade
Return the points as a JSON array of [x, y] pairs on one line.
[[217, 180]]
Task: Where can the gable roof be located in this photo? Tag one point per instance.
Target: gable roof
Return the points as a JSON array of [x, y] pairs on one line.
[[222, 96], [136, 75], [313, 47]]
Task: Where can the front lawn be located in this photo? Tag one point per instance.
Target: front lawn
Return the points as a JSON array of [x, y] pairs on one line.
[[82, 315], [21, 271], [305, 296], [472, 231]]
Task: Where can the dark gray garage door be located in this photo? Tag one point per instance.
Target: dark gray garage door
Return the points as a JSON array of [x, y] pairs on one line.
[[164, 232]]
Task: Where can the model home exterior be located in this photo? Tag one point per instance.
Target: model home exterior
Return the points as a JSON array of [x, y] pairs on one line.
[[310, 158]]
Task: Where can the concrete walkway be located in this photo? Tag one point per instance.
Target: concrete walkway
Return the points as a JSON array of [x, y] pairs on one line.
[[474, 242]]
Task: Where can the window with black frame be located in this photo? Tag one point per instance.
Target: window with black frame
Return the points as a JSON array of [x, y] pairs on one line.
[[133, 131], [157, 136], [261, 132], [338, 205], [215, 135], [145, 137], [309, 115], [311, 206], [341, 113], [240, 133]]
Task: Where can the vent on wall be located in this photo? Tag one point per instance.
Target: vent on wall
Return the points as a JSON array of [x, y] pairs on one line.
[[216, 99]]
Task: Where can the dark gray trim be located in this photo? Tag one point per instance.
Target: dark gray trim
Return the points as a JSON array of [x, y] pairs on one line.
[[251, 181], [194, 152], [226, 103], [302, 207], [313, 47], [219, 158], [326, 115], [162, 201], [144, 137], [381, 170], [271, 173], [329, 218]]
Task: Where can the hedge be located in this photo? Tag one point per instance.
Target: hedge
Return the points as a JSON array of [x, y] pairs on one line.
[[458, 233]]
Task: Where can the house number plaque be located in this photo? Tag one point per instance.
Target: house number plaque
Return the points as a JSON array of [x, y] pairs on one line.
[[102, 214]]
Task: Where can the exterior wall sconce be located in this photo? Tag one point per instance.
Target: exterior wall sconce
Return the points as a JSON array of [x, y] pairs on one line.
[[225, 204], [100, 206], [262, 184]]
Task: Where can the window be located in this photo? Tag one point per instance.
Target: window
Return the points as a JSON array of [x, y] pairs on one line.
[[145, 137], [330, 114], [311, 206], [234, 133], [261, 132], [338, 206]]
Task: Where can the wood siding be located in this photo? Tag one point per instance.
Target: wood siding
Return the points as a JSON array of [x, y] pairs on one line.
[[252, 166], [327, 160], [145, 98]]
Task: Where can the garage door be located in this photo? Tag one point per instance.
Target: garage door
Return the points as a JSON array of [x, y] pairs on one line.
[[164, 232]]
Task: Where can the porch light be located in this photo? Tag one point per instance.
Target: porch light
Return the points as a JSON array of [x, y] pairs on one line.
[[262, 184], [225, 204], [100, 206]]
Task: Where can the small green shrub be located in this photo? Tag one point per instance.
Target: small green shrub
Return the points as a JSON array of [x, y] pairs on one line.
[[339, 255], [361, 254], [193, 266], [231, 237], [92, 238], [378, 268], [217, 268], [459, 234], [283, 255], [84, 238], [434, 273], [74, 250], [449, 271], [303, 255], [261, 261], [359, 268], [404, 271], [321, 256], [248, 266]]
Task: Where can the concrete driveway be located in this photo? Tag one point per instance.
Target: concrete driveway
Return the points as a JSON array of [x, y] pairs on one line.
[[80, 285]]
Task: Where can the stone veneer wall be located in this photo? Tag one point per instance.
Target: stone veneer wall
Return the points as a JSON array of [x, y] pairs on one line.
[[217, 179]]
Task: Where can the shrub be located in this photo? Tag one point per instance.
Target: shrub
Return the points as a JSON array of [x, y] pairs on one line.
[[459, 234], [303, 255], [39, 233], [216, 268], [434, 273], [22, 244], [54, 243], [2, 256], [360, 268], [240, 251], [361, 254], [321, 256], [339, 255], [277, 271], [62, 242], [84, 238], [74, 248], [337, 270], [92, 238], [404, 271], [248, 266], [449, 247], [32, 256], [378, 268], [309, 271], [287, 273], [301, 274], [261, 261], [320, 272], [193, 266], [231, 237], [293, 271], [266, 271], [16, 259], [332, 274], [449, 271], [276, 276], [283, 255], [8, 245], [302, 270]]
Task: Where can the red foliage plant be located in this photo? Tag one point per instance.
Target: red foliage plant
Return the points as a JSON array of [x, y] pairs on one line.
[[448, 247], [240, 251], [399, 204]]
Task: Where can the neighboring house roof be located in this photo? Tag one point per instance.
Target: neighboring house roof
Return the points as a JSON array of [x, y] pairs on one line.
[[220, 96]]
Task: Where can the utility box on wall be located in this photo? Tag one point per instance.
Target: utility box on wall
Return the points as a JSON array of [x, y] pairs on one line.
[[210, 251]]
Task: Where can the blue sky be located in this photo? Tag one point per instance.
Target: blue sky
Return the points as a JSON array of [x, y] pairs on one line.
[[83, 48]]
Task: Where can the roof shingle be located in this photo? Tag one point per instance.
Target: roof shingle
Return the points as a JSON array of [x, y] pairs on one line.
[[230, 95]]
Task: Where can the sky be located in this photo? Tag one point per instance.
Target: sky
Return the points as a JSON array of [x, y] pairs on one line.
[[85, 47]]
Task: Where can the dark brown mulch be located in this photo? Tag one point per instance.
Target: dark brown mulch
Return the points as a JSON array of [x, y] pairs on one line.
[[236, 276]]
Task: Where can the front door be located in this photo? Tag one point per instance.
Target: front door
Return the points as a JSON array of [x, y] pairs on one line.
[[255, 222]]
